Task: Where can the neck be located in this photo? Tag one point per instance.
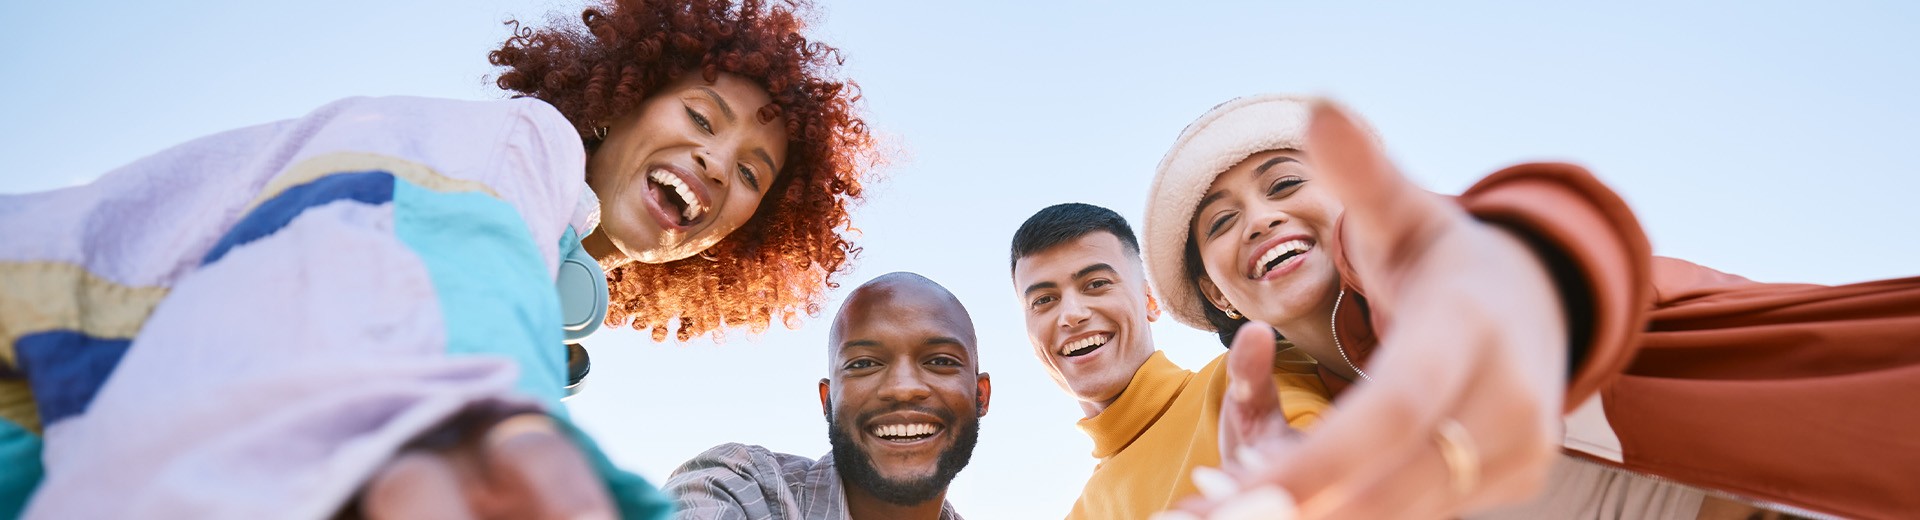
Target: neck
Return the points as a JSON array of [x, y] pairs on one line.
[[601, 248], [1093, 408], [1316, 339], [1313, 333], [862, 505]]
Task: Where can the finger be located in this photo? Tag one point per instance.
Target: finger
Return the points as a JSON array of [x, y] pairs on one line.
[[1380, 423], [1416, 488], [415, 485], [1504, 453], [1384, 211], [1250, 370], [527, 455]]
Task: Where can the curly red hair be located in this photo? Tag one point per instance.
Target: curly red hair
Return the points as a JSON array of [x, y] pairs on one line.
[[782, 261]]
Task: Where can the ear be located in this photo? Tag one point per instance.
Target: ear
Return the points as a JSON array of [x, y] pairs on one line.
[[984, 386], [1212, 292], [826, 402], [1153, 306]]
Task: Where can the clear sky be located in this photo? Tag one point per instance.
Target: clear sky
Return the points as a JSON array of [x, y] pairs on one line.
[[1770, 139]]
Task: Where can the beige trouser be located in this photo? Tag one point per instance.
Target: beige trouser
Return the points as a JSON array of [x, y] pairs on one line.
[[1587, 491]]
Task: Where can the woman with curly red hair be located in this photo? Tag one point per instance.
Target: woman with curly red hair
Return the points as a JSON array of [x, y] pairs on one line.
[[622, 68], [354, 312]]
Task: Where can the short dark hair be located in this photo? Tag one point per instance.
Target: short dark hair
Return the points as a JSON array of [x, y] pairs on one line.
[[1061, 223]]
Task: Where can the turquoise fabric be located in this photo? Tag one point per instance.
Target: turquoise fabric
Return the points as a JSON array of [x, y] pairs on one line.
[[632, 494], [497, 300], [20, 469], [494, 293]]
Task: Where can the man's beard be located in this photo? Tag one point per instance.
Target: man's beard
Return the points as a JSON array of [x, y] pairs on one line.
[[856, 468]]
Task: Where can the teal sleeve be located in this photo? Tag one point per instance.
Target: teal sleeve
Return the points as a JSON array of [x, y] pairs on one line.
[[20, 469]]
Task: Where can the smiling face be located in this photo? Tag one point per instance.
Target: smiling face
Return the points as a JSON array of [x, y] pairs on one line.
[[1259, 231], [686, 167], [905, 395], [1087, 309]]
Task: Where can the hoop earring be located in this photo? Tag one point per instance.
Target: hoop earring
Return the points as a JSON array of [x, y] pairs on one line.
[[600, 132], [1233, 314], [707, 254]]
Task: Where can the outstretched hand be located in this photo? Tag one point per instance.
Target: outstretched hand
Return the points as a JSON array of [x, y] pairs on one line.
[[1463, 408], [521, 467]]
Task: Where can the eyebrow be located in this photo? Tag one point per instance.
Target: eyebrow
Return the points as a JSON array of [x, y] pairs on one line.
[[1082, 273], [1262, 168], [764, 156], [1209, 199], [725, 109], [859, 343]]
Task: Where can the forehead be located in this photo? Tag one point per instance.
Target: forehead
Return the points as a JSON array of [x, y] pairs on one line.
[[896, 318], [1061, 261]]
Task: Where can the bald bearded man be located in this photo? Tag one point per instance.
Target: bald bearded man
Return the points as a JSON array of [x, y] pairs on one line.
[[903, 397]]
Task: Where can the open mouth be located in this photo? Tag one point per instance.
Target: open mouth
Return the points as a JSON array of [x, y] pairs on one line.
[[672, 193], [905, 433], [1086, 345], [1280, 254]]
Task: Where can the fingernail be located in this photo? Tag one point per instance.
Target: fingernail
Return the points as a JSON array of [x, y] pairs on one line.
[[1213, 483], [1262, 503], [1251, 460], [518, 425]]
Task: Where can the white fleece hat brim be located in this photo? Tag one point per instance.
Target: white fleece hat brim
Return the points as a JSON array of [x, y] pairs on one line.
[[1221, 138]]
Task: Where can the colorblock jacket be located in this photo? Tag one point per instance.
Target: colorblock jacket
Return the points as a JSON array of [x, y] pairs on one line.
[[250, 324]]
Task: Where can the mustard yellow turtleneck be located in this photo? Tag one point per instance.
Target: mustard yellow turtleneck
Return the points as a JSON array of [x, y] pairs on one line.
[[1166, 423]]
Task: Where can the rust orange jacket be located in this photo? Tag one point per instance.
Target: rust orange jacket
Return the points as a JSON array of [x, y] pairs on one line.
[[1801, 395]]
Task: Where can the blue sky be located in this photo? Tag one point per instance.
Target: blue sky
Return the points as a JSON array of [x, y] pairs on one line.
[[1769, 139]]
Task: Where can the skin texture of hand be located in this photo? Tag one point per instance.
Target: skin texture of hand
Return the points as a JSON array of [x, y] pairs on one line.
[[1471, 331], [521, 467]]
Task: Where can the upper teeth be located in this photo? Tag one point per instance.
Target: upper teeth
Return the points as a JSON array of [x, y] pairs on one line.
[[1096, 339], [903, 430], [694, 208], [1290, 246]]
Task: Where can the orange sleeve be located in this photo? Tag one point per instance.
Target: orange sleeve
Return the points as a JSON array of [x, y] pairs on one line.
[[1596, 252]]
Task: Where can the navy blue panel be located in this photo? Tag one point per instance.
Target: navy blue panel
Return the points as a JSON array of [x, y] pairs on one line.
[[65, 368], [375, 187]]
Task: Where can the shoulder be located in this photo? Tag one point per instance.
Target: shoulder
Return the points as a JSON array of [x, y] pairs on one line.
[[729, 481]]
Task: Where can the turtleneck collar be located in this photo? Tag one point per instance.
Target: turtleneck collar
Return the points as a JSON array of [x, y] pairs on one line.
[[1148, 394]]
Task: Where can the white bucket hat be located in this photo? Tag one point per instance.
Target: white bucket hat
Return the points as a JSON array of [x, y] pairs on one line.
[[1221, 138]]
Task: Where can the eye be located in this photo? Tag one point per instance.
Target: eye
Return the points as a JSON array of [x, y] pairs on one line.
[[747, 176], [1284, 186], [1219, 223], [700, 120], [1042, 300], [945, 361], [1098, 283], [861, 363]]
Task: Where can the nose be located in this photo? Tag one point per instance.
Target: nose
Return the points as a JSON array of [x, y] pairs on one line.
[[711, 167], [1073, 312], [903, 384], [1262, 223]]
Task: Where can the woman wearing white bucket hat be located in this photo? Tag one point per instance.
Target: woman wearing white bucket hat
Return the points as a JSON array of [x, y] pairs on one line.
[[1474, 323]]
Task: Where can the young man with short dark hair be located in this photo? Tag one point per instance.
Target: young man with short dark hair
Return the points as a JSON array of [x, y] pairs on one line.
[[1078, 273]]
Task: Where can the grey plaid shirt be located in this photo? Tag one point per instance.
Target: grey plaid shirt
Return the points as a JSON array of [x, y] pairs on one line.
[[740, 482]]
